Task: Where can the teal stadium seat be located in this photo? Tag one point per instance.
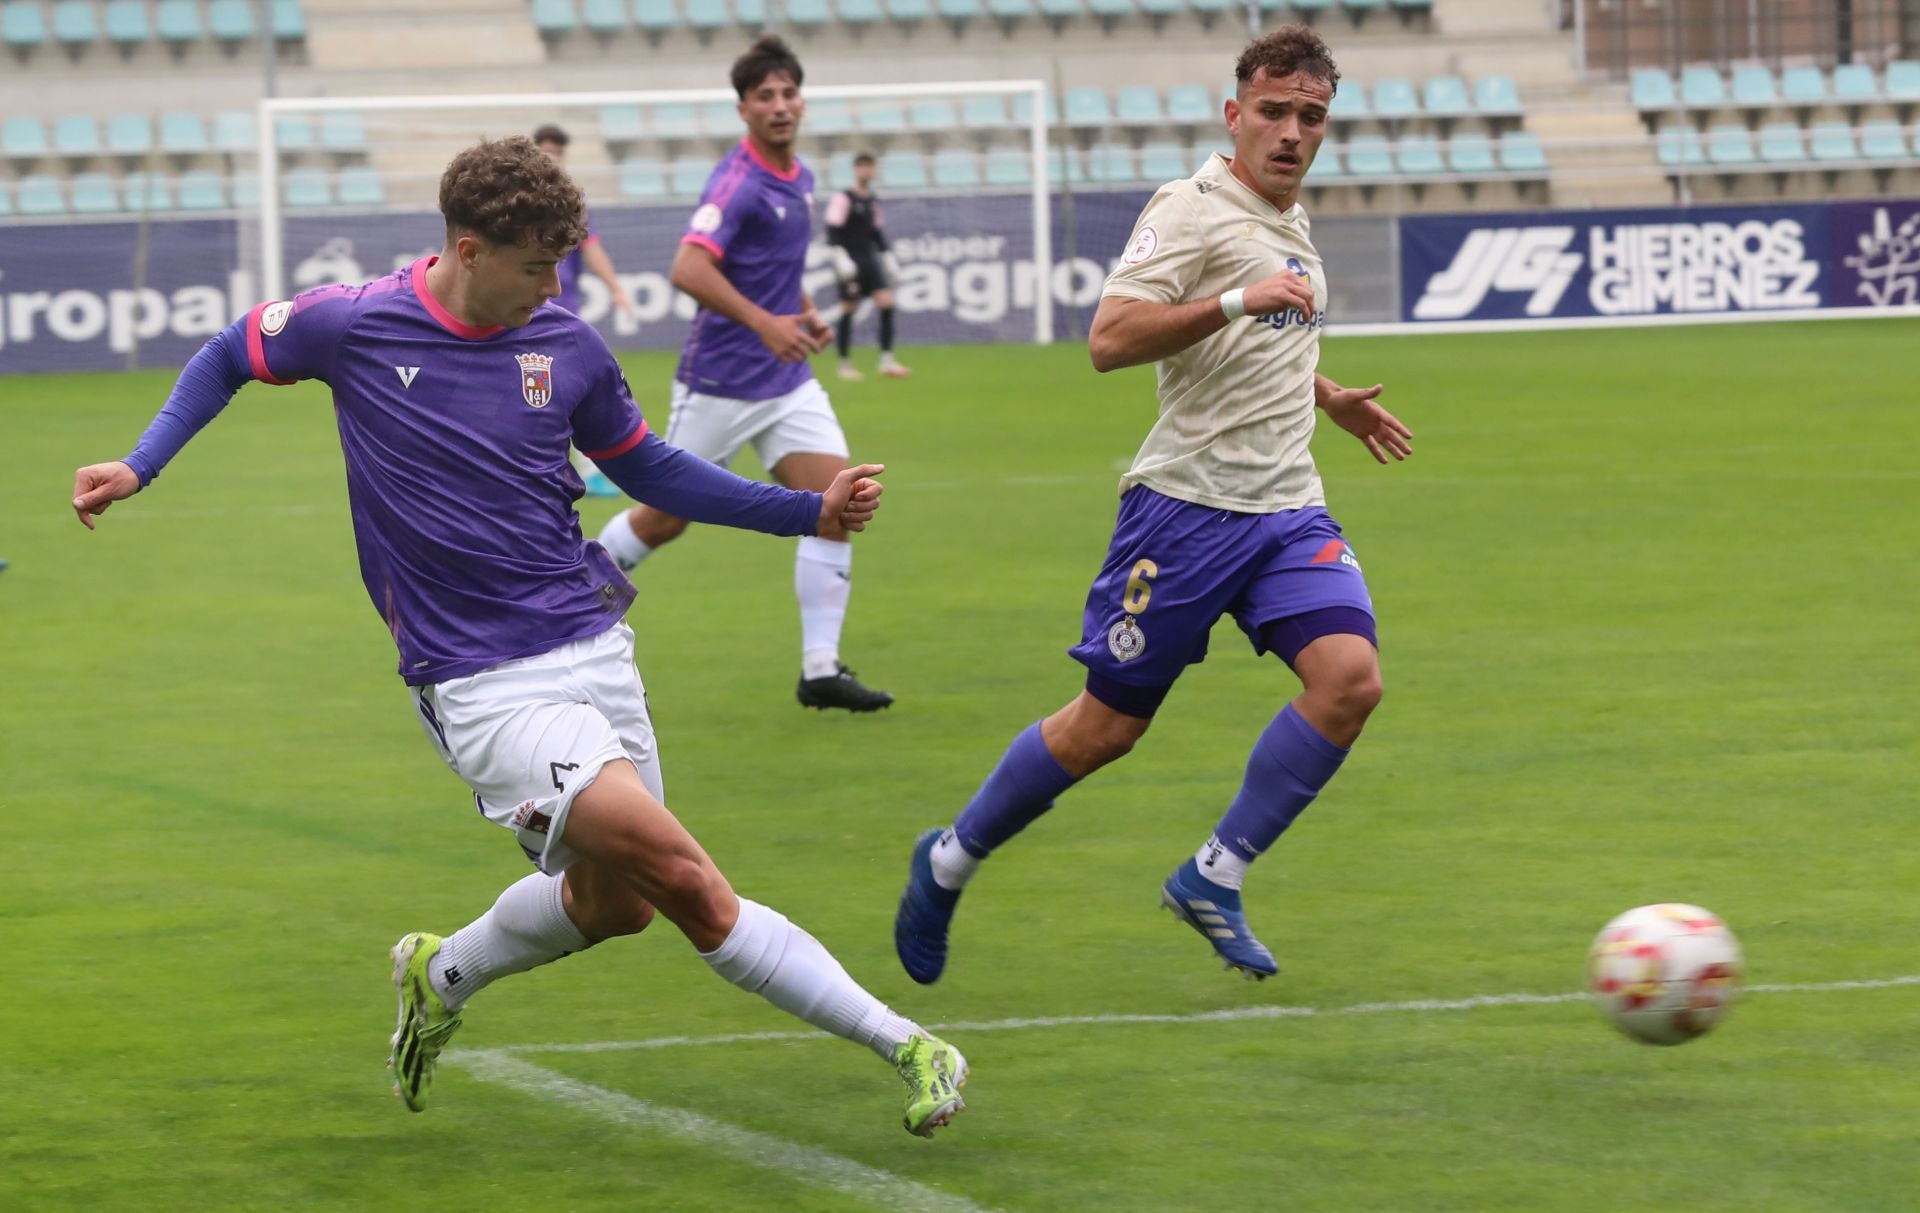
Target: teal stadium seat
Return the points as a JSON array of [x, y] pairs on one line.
[[604, 16], [77, 135], [92, 194], [1350, 102], [1358, 8], [935, 116], [1496, 96], [1394, 98], [1064, 167], [202, 191], [1679, 147], [960, 11], [659, 16], [360, 185], [1368, 156], [1882, 140], [643, 179], [621, 124], [855, 13], [555, 16], [1138, 105], [1328, 168], [1833, 141], [1008, 167], [1853, 84], [1753, 87], [40, 196], [235, 131], [146, 192], [1782, 143], [1470, 154], [1110, 10], [177, 21], [183, 133], [1209, 9], [687, 175], [1419, 156], [1060, 10], [1413, 6], [22, 24], [1304, 6], [1803, 86], [809, 14], [129, 134], [289, 21], [24, 137], [1111, 164], [230, 20], [829, 116], [1446, 97], [720, 119], [1087, 106], [246, 191], [1162, 162], [839, 172], [1521, 152], [1652, 89], [1730, 145], [1022, 109], [343, 131], [987, 112], [1190, 105], [1902, 81], [1702, 88], [1162, 8], [74, 23], [903, 170], [675, 120], [882, 117], [128, 23], [307, 187], [1010, 10], [909, 12], [294, 133], [956, 168]]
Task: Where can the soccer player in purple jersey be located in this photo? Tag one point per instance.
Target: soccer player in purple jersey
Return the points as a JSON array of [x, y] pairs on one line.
[[457, 394], [743, 372], [1221, 513]]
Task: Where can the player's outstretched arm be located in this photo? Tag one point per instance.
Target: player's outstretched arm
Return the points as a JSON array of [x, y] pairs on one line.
[[1129, 332], [853, 498], [687, 486], [697, 272], [99, 485], [1357, 411]]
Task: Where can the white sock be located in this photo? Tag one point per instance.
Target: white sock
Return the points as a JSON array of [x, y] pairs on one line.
[[822, 581], [1220, 865], [527, 927], [953, 865], [626, 548], [769, 956]]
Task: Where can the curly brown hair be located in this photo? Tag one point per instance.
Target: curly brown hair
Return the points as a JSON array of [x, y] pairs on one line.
[[768, 56], [1284, 51], [509, 192]]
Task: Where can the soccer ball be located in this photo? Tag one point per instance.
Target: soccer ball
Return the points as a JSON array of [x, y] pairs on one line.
[[1664, 974]]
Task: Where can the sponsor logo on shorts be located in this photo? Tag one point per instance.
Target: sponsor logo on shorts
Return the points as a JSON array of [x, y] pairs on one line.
[[1337, 550], [1125, 640]]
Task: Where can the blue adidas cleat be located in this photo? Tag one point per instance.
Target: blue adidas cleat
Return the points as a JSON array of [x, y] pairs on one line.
[[1215, 913], [597, 484], [926, 911]]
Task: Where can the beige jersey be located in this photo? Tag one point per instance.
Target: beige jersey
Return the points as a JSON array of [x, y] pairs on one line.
[[1236, 409]]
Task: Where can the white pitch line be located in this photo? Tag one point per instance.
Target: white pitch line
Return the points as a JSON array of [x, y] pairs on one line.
[[1228, 1015], [870, 1185]]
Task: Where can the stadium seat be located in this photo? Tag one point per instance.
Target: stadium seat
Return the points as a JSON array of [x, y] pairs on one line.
[[1021, 108], [882, 117], [183, 133], [909, 12], [1368, 156], [1209, 9], [92, 194], [960, 11], [1419, 156], [604, 16], [808, 13], [235, 131], [1652, 89], [1308, 6], [306, 187], [555, 16], [230, 20], [860, 12], [1446, 97], [1111, 163], [903, 170], [6, 199], [956, 169], [1393, 98], [675, 120], [22, 24], [1064, 166], [1328, 169], [687, 175], [1882, 140], [750, 13], [643, 179], [986, 112], [1729, 144], [720, 119], [1350, 102], [936, 116], [177, 21], [74, 24], [1782, 143], [1520, 152], [1496, 95], [40, 196], [1753, 87], [1678, 146], [1833, 141], [1702, 87], [1009, 166], [129, 134], [202, 191], [1472, 154], [829, 116], [1902, 81], [1405, 6], [1189, 104], [293, 133], [1138, 105], [246, 191], [1060, 10], [289, 20], [1853, 84], [1110, 10], [658, 16], [1161, 8], [621, 123], [127, 22], [146, 192], [1803, 86], [24, 136], [839, 172], [1010, 10], [1162, 162], [360, 185], [1087, 106], [343, 131], [77, 135]]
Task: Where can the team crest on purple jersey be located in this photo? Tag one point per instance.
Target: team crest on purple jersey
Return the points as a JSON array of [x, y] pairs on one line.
[[536, 378]]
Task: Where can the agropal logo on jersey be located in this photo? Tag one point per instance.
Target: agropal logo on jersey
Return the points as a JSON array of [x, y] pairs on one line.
[[1629, 269], [536, 378]]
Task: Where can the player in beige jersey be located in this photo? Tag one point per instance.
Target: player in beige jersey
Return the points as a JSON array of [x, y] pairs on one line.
[[1221, 513]]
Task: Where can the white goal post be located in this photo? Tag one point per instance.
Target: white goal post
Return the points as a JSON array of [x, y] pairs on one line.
[[273, 162]]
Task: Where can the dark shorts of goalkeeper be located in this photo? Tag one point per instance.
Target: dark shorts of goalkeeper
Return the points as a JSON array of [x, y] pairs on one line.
[[869, 276]]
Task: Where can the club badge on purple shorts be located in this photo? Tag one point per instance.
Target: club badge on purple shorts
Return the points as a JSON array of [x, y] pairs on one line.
[[536, 378]]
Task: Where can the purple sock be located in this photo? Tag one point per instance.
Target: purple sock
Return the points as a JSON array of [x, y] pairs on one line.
[[1020, 789], [1290, 764]]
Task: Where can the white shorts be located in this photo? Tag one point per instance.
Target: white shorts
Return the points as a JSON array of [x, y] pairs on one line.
[[528, 735], [715, 428]]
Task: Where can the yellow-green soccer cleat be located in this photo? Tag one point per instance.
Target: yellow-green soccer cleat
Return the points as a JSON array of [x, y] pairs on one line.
[[425, 1023], [934, 1072]]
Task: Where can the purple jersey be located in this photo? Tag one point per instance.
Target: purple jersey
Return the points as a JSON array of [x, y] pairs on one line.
[[457, 471], [757, 221]]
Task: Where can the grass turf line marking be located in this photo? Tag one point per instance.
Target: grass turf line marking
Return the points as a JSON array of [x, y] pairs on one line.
[[1228, 1015], [870, 1185]]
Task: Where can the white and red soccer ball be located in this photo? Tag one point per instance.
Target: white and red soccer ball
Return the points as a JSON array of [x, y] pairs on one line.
[[1664, 974]]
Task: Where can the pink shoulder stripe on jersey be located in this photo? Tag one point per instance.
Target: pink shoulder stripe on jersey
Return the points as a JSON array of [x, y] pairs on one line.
[[447, 320], [257, 347], [719, 254], [729, 184], [791, 174], [632, 440]]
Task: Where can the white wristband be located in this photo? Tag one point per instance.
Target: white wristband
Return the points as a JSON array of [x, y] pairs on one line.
[[1234, 303]]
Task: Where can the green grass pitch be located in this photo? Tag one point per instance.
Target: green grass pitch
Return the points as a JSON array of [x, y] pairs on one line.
[[1648, 602]]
